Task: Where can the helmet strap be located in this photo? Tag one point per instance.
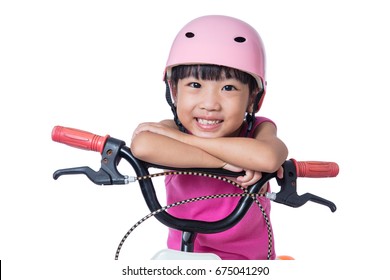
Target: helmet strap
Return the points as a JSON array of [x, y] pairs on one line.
[[250, 117], [168, 97]]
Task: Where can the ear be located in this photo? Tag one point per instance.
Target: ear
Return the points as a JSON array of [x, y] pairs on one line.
[[173, 90], [174, 94], [251, 99]]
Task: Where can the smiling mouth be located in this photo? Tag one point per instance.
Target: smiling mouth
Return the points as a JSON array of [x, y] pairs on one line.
[[208, 122]]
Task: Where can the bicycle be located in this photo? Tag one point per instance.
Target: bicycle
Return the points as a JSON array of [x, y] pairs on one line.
[[114, 150]]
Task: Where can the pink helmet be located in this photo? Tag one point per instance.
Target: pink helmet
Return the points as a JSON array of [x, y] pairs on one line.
[[220, 40]]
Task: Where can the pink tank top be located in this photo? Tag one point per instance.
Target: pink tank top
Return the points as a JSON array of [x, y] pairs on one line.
[[248, 240]]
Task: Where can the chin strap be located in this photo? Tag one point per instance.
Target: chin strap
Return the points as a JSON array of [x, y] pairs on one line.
[[250, 117]]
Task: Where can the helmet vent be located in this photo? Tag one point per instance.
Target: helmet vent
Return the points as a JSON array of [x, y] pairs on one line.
[[190, 35], [240, 39]]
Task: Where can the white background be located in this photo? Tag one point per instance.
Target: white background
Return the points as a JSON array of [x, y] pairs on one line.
[[97, 66]]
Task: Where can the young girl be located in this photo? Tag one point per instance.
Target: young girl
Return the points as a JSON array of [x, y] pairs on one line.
[[215, 78]]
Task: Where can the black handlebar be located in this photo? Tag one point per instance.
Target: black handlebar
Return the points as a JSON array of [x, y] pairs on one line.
[[114, 150]]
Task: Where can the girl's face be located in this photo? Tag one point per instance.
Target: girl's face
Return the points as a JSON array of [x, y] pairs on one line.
[[211, 109]]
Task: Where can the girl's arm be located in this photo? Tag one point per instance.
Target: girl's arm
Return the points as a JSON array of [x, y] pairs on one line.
[[162, 143], [166, 151], [264, 153]]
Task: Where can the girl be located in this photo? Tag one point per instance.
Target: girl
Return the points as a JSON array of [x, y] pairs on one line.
[[215, 78]]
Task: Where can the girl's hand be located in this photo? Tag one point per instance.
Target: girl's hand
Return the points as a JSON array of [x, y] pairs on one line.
[[248, 179], [250, 176]]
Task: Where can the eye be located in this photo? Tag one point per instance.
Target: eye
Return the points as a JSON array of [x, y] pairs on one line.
[[194, 85], [229, 88]]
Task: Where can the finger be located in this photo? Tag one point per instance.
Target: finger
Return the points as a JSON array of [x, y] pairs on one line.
[[232, 168], [245, 178], [280, 172], [250, 178], [256, 177], [264, 189]]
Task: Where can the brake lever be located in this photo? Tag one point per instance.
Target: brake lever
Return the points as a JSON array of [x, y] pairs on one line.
[[108, 173], [100, 177], [288, 190]]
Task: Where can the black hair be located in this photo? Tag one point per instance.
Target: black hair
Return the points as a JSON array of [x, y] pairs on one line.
[[212, 73]]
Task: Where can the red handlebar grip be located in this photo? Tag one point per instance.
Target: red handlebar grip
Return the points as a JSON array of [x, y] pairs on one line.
[[316, 169], [79, 138]]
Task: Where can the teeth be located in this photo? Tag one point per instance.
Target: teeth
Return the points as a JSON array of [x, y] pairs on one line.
[[208, 122]]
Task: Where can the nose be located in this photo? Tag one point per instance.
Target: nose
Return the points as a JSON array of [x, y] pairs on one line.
[[210, 100]]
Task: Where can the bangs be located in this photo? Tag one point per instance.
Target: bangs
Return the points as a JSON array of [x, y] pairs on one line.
[[212, 73]]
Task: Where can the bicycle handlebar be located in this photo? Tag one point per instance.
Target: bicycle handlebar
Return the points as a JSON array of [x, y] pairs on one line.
[[112, 150], [79, 138], [89, 141], [316, 169], [85, 140]]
